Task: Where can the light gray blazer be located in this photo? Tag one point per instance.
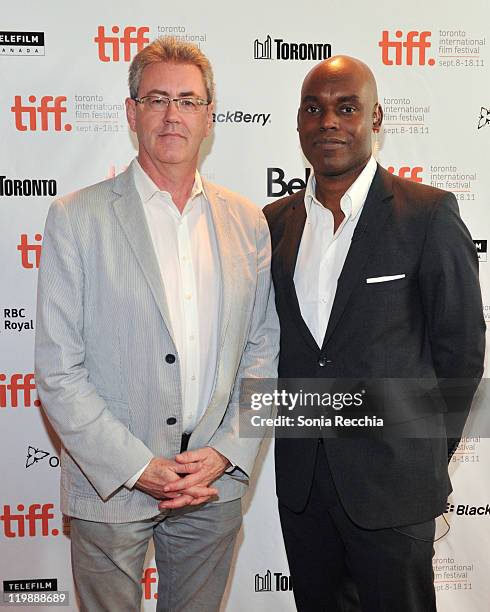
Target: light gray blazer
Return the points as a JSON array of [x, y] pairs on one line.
[[103, 331]]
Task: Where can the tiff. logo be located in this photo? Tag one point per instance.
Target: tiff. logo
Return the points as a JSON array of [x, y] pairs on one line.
[[413, 40], [19, 383], [26, 249], [14, 524], [149, 581], [412, 174], [109, 47], [49, 108]]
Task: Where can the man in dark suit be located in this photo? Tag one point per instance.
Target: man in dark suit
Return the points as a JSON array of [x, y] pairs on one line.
[[376, 277]]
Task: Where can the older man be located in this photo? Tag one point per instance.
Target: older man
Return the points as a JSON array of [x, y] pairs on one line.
[[376, 279], [154, 302]]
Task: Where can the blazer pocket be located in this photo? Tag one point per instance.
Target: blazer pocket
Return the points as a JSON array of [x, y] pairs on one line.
[[393, 283], [384, 279]]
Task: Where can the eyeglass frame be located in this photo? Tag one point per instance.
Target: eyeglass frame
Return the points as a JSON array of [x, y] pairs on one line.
[[198, 101]]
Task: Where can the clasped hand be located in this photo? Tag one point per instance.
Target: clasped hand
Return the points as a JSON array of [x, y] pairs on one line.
[[185, 480]]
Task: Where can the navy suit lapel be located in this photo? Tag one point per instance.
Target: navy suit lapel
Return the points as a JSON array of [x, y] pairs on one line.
[[374, 214], [288, 254]]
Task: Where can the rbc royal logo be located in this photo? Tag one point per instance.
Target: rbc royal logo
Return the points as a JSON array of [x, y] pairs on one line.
[[405, 49], [110, 47]]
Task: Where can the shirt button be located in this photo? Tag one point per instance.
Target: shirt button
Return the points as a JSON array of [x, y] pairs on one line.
[[322, 362], [171, 421], [170, 358], [187, 296], [193, 377]]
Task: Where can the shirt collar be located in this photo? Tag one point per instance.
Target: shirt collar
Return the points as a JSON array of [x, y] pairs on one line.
[[146, 188], [353, 199]]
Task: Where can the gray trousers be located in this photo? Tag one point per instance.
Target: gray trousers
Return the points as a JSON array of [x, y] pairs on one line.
[[193, 552]]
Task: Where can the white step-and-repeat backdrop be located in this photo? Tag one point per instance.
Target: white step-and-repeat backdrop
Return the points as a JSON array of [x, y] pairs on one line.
[[64, 71]]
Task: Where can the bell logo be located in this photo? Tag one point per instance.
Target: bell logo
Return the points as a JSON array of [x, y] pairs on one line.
[[412, 174], [48, 108], [109, 47], [413, 40]]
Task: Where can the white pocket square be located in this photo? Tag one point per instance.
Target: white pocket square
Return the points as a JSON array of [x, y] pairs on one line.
[[384, 279]]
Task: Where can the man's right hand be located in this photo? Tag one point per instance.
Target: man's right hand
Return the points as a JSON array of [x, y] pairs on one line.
[[161, 471]]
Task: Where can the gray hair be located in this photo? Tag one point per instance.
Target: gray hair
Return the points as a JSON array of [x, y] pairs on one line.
[[170, 49]]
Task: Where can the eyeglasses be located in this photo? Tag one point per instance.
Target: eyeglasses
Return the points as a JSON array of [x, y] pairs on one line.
[[159, 104]]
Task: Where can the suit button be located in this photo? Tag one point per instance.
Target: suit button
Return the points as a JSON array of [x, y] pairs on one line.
[[322, 362], [171, 421], [170, 358]]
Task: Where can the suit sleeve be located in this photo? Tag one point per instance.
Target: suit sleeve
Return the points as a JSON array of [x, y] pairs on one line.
[[259, 359], [451, 295], [102, 446]]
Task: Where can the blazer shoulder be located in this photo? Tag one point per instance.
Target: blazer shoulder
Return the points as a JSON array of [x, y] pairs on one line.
[[419, 195], [239, 204], [90, 197], [276, 210]]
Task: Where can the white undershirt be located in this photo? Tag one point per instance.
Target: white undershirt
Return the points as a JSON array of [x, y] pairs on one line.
[[322, 253], [187, 252]]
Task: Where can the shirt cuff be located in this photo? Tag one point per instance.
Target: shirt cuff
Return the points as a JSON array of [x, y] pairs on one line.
[[129, 484]]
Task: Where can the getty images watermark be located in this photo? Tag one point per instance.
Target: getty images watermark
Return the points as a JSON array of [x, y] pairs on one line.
[[344, 408]]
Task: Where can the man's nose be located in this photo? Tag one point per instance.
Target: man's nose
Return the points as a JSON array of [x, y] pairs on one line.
[[330, 119], [172, 113]]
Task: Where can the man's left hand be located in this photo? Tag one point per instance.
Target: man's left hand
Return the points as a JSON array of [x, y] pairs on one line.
[[213, 465]]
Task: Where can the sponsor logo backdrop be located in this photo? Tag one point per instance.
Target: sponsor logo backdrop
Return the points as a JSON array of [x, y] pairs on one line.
[[62, 118]]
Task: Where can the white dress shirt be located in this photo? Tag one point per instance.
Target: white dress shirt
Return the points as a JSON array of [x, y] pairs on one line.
[[187, 252], [322, 253]]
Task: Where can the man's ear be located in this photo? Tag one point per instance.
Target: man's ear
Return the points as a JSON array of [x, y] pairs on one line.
[[209, 119], [131, 113], [377, 117]]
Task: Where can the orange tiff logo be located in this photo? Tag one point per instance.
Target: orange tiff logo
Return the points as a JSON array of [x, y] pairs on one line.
[[412, 174], [19, 384], [50, 112], [402, 51], [27, 249], [37, 520], [109, 47]]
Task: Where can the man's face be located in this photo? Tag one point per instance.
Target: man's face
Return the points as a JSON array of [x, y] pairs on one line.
[[336, 118], [170, 137]]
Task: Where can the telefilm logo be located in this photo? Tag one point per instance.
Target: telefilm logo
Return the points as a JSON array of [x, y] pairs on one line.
[[282, 50], [18, 385], [34, 521], [278, 187], [24, 44], [238, 116], [481, 249], [484, 118], [36, 455], [27, 187], [38, 585], [30, 252], [114, 48], [406, 48], [467, 510], [410, 173], [49, 111], [272, 582]]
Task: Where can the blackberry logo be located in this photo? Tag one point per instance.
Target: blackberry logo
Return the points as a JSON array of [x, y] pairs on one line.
[[467, 510], [282, 50]]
